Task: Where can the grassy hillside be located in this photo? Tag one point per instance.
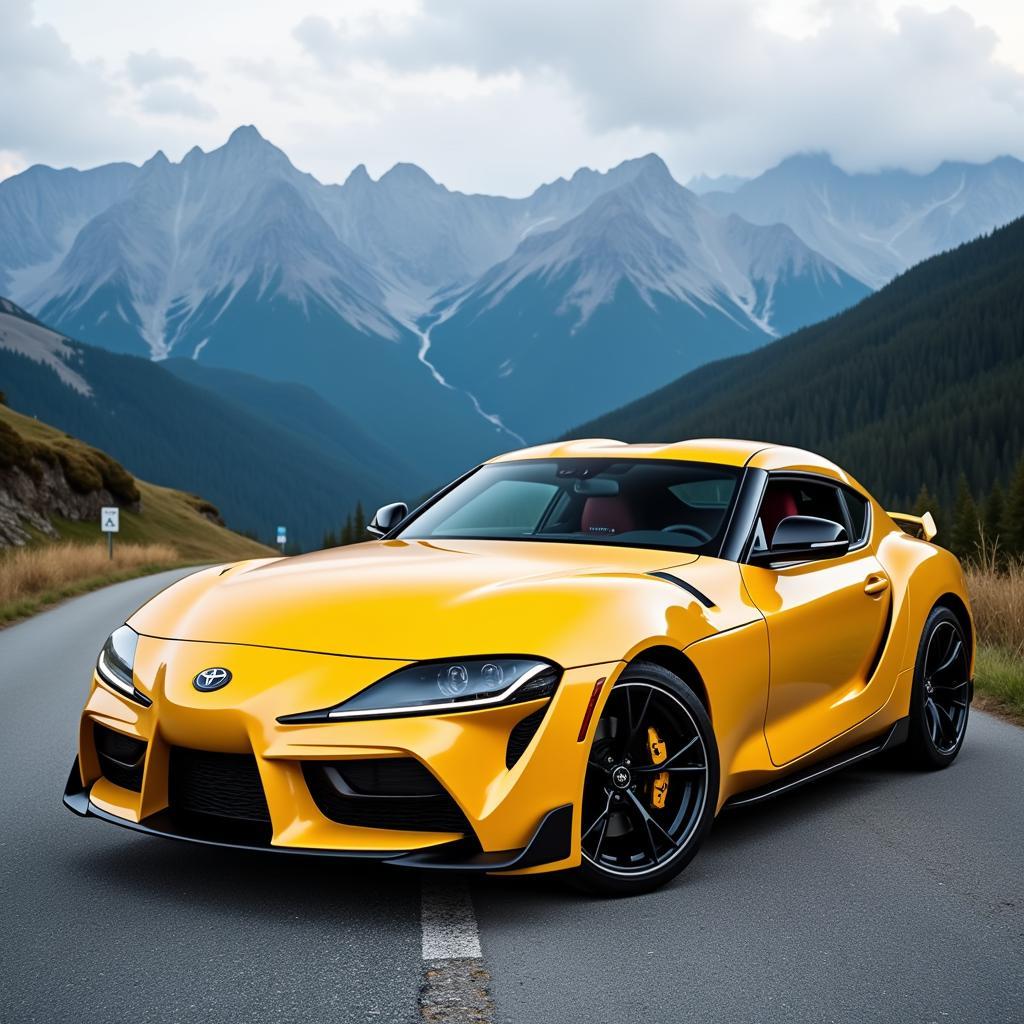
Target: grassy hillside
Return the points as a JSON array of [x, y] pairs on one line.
[[166, 517], [915, 385]]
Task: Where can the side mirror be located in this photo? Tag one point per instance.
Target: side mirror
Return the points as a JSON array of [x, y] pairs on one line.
[[387, 517], [804, 539]]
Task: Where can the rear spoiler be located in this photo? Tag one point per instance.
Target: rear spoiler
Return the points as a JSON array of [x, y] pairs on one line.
[[922, 526]]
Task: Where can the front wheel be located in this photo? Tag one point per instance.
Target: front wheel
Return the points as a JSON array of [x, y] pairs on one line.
[[651, 785], [940, 697]]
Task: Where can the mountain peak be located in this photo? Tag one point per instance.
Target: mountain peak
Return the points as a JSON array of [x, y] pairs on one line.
[[407, 174], [358, 176], [245, 135], [245, 147], [650, 166], [810, 162]]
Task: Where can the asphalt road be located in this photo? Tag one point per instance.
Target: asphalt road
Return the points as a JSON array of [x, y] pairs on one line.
[[878, 895]]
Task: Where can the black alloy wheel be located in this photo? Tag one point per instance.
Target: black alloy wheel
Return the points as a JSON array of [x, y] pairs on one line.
[[940, 700], [651, 785]]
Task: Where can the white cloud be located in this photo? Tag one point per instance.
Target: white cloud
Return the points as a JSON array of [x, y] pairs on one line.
[[52, 104], [153, 66], [729, 90], [501, 96], [168, 98]]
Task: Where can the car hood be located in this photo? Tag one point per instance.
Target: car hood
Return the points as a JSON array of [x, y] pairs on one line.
[[412, 600]]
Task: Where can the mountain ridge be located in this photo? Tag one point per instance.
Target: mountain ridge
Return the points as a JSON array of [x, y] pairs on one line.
[[442, 317], [917, 384]]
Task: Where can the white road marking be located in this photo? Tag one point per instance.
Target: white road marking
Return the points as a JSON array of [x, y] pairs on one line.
[[449, 924], [456, 984]]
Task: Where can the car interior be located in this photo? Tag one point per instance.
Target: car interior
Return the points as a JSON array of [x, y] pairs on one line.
[[675, 505]]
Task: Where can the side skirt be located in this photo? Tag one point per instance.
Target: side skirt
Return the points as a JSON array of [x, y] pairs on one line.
[[896, 735]]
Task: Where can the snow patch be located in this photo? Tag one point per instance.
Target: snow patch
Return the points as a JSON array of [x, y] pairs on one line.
[[42, 346]]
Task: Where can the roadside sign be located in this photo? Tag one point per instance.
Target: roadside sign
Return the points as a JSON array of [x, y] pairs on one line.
[[282, 536], [110, 523]]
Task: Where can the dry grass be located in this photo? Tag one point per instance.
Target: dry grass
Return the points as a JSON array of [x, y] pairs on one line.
[[31, 578], [997, 600]]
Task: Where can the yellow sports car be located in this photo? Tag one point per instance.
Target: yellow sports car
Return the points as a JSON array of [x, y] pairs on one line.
[[572, 658]]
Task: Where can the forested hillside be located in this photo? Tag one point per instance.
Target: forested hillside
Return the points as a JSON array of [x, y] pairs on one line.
[[916, 385]]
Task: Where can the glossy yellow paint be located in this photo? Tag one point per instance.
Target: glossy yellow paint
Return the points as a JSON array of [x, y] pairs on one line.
[[783, 656]]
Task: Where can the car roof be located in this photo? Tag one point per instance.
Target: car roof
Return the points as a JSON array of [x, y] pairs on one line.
[[716, 450]]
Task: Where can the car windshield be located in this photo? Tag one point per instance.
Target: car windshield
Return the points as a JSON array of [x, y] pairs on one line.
[[653, 503]]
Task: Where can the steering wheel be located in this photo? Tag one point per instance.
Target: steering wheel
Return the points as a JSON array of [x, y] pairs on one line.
[[702, 535]]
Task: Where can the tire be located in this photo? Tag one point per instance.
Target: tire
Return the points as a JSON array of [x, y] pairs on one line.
[[940, 696], [631, 844]]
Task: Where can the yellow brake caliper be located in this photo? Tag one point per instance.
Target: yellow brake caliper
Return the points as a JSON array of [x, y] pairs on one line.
[[659, 788]]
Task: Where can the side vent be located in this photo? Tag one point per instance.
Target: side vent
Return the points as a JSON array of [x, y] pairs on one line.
[[521, 734], [683, 585]]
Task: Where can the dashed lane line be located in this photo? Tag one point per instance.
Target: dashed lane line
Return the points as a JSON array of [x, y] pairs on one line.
[[456, 984]]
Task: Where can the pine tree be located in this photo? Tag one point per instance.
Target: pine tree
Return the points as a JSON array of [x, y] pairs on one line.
[[964, 540], [330, 541], [925, 502], [992, 519], [1012, 531], [347, 535], [359, 523]]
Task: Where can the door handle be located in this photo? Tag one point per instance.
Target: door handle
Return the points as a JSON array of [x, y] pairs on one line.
[[875, 585]]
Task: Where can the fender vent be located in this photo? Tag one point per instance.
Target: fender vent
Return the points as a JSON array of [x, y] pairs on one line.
[[521, 734]]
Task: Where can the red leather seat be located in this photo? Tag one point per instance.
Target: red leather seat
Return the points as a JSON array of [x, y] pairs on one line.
[[607, 515], [778, 504]]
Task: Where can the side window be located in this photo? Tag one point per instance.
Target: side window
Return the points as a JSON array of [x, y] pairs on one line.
[[859, 519], [790, 496]]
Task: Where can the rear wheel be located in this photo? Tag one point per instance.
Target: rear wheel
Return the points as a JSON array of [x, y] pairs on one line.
[[651, 785], [940, 698]]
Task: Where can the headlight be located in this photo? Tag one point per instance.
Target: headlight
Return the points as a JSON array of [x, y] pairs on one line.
[[430, 687], [116, 663]]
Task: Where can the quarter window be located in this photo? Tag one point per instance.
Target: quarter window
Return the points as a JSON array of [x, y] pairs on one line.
[[857, 505]]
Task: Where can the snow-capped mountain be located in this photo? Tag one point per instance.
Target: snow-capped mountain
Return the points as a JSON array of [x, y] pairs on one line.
[[441, 317], [41, 212], [875, 226], [422, 238], [227, 258], [155, 270], [623, 298]]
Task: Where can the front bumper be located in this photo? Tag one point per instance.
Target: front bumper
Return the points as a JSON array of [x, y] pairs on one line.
[[518, 818], [551, 842]]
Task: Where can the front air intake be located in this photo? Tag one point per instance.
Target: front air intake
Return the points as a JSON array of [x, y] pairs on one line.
[[395, 793], [225, 786], [121, 757]]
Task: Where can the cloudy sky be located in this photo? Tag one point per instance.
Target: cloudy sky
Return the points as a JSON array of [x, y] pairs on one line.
[[501, 96]]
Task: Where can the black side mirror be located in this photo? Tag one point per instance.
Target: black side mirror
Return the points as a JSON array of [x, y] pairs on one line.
[[804, 539], [387, 517]]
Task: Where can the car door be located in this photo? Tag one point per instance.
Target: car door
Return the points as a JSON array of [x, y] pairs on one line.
[[827, 621]]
